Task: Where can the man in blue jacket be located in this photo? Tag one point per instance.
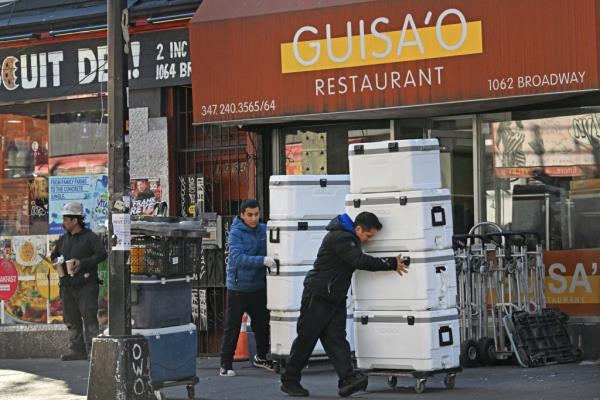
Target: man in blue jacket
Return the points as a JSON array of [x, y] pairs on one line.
[[246, 286]]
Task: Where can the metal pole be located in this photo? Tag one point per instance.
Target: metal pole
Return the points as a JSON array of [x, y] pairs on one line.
[[119, 309]]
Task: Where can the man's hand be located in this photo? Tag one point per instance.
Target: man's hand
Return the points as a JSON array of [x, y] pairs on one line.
[[401, 268], [269, 262], [76, 266]]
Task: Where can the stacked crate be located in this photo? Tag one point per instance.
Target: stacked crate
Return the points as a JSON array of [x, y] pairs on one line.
[[301, 207], [407, 322], [164, 252]]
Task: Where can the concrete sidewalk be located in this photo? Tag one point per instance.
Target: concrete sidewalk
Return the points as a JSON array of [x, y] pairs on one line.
[[51, 379]]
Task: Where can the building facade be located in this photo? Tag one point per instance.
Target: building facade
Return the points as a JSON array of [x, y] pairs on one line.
[[510, 89]]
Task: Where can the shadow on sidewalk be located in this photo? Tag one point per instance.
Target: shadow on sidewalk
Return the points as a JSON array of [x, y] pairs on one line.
[[51, 376]]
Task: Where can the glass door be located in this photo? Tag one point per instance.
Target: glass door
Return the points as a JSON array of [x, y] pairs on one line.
[[455, 136]]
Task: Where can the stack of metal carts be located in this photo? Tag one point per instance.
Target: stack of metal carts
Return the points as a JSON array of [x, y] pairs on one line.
[[164, 253], [405, 325], [301, 206]]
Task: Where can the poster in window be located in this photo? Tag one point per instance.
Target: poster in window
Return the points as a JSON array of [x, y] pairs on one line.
[[560, 146], [89, 190], [145, 193]]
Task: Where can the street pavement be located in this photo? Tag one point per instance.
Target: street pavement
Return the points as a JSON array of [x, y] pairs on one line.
[[51, 379]]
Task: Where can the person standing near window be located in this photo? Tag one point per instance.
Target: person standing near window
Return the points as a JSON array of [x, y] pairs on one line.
[[246, 286], [78, 252]]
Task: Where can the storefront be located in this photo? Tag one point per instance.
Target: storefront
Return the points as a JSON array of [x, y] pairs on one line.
[[510, 89], [53, 126]]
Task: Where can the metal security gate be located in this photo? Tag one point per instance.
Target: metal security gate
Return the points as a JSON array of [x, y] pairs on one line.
[[215, 171]]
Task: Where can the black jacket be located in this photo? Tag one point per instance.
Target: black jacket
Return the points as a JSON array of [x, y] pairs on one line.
[[85, 246], [338, 257]]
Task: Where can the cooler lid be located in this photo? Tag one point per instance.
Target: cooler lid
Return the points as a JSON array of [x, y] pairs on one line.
[[309, 180], [164, 331], [394, 146]]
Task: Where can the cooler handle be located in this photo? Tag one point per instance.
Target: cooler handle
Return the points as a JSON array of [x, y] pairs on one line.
[[438, 216], [271, 238], [393, 147], [443, 341], [277, 270], [359, 149]]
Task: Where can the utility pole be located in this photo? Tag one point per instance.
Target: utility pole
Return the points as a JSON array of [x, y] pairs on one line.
[[119, 362], [119, 309]]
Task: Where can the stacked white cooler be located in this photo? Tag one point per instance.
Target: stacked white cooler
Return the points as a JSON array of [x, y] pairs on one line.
[[301, 206], [404, 322]]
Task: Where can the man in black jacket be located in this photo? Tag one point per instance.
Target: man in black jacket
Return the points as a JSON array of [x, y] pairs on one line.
[[323, 308], [77, 254]]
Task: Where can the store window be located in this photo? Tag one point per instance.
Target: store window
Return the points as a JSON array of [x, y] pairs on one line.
[[543, 175], [51, 153], [323, 149]]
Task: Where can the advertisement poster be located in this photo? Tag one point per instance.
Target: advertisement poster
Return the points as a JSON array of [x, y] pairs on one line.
[[89, 190], [36, 298], [561, 146], [38, 205], [145, 193]]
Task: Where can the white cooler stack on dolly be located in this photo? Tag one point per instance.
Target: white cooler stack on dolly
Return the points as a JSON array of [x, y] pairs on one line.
[[405, 325], [301, 207]]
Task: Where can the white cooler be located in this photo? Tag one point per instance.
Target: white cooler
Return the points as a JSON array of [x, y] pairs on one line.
[[285, 286], [407, 340], [307, 196], [394, 166], [430, 284], [295, 242], [283, 333], [412, 221]]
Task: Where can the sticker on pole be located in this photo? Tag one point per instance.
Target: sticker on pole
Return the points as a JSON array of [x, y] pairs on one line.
[[8, 279]]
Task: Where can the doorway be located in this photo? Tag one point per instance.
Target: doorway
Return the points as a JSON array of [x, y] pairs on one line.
[[455, 135]]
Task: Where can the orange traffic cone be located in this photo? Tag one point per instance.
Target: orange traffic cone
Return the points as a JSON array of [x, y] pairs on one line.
[[241, 349]]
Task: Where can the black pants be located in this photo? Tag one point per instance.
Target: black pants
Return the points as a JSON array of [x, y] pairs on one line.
[[255, 305], [320, 320], [80, 313]]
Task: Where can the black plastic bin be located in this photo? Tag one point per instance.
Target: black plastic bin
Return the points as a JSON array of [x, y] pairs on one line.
[[159, 302]]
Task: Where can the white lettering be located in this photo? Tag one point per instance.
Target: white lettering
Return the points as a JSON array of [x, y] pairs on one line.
[[103, 63], [86, 56], [332, 56], [29, 82], [463, 25], [557, 277], [314, 45], [381, 36], [580, 279], [319, 83], [55, 58], [408, 20]]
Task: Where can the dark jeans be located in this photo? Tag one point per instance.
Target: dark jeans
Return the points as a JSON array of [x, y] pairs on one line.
[[324, 320], [255, 305], [80, 313]]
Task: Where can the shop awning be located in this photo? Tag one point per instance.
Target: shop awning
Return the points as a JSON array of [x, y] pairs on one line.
[[268, 61]]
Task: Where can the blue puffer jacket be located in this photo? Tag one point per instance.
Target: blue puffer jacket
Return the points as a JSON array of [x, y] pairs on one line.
[[247, 249]]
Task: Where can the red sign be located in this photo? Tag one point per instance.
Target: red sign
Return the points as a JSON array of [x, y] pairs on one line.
[[9, 279], [273, 61], [573, 281]]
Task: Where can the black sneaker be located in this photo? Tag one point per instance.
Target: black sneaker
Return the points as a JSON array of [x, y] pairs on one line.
[[266, 364], [72, 356], [294, 389], [353, 384]]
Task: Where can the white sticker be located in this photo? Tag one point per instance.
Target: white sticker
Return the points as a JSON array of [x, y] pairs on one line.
[[122, 230], [438, 216]]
